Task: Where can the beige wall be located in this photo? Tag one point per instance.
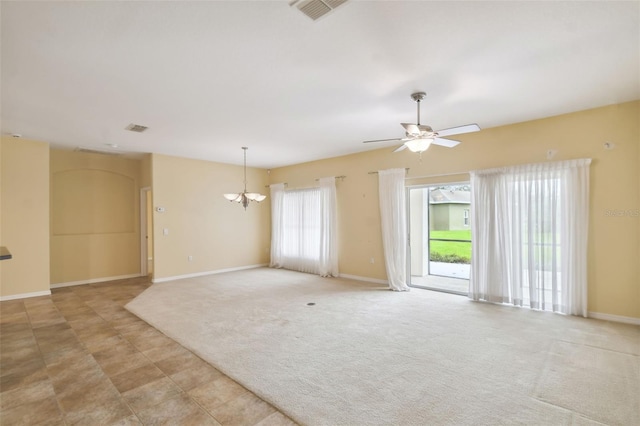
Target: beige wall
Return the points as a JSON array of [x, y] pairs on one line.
[[1, 215], [217, 234], [614, 248], [94, 217], [146, 177], [24, 216], [220, 235]]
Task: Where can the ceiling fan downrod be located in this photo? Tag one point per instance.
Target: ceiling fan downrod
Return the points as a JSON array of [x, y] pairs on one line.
[[418, 96]]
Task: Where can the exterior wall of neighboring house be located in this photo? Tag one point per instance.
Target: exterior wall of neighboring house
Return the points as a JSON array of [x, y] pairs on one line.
[[439, 217], [449, 209], [448, 217], [457, 217]]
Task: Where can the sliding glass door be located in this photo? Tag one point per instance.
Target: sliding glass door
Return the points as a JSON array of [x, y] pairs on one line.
[[440, 237]]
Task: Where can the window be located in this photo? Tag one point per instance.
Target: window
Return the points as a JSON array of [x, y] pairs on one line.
[[304, 229], [301, 229], [530, 235]]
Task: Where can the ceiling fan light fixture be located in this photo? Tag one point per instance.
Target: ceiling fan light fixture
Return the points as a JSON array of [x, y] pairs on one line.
[[419, 137], [419, 145]]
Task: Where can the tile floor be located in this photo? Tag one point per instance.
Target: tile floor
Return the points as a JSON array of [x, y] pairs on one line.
[[79, 357]]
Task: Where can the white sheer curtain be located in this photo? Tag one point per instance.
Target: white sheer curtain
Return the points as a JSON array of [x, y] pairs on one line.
[[304, 229], [394, 226], [530, 227], [301, 230], [328, 262]]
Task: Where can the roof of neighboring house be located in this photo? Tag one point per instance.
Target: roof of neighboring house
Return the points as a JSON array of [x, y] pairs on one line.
[[445, 196]]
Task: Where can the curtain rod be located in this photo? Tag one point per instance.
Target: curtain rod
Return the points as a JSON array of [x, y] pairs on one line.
[[438, 175], [406, 169], [337, 177], [428, 176], [285, 183]]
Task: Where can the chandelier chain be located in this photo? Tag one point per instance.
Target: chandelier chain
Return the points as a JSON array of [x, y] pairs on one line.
[[245, 167]]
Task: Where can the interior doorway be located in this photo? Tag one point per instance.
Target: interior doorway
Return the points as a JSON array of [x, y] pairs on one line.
[[440, 237]]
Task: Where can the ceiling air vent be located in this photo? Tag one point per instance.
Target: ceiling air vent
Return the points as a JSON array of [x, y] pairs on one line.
[[136, 128], [97, 151], [316, 9]]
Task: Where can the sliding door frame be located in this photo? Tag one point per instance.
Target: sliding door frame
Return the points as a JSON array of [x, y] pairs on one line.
[[409, 242]]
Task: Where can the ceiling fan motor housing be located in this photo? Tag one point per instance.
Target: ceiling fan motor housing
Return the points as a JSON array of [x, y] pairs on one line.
[[418, 96]]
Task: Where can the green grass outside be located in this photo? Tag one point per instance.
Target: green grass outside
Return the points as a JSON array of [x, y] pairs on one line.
[[452, 235], [451, 252], [455, 252]]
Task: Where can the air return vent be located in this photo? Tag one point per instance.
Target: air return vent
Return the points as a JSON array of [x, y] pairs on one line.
[[136, 128], [316, 9]]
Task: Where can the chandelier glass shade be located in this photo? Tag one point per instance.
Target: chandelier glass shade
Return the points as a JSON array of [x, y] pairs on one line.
[[245, 197]]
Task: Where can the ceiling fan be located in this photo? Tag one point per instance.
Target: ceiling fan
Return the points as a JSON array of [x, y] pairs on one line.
[[418, 137]]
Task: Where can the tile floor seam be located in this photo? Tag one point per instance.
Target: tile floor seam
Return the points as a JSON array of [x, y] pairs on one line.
[[124, 401], [131, 408], [184, 392], [119, 334], [135, 412], [49, 379], [203, 407]]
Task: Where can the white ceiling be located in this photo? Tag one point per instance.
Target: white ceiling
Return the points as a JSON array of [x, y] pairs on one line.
[[210, 77]]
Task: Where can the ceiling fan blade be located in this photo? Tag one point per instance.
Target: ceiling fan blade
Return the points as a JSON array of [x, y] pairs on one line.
[[468, 128], [382, 140], [400, 148], [449, 143], [411, 128]]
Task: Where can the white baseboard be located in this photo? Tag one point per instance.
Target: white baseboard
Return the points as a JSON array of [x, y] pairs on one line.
[[615, 318], [200, 274], [367, 279], [94, 280], [25, 295]]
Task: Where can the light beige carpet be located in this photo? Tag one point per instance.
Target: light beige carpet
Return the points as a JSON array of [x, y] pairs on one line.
[[363, 355]]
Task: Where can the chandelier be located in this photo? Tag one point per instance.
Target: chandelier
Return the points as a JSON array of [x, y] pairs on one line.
[[245, 197]]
